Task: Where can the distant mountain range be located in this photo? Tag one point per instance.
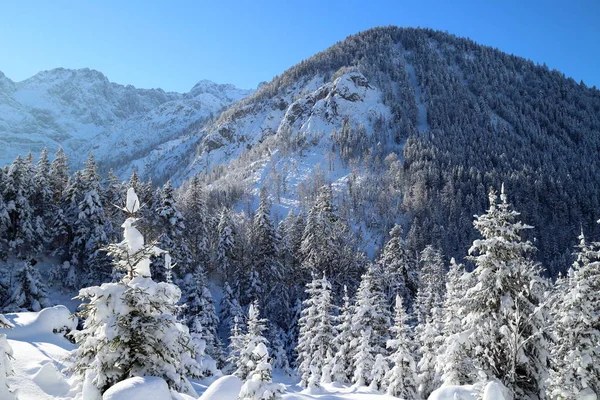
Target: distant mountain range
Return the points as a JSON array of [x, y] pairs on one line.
[[408, 125], [83, 112]]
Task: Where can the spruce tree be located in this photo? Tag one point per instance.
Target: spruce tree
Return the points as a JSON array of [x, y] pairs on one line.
[[225, 250], [401, 380], [28, 291], [504, 316], [259, 385], [575, 357], [316, 332], [130, 328], [399, 268], [452, 363], [342, 364], [235, 347], [256, 326]]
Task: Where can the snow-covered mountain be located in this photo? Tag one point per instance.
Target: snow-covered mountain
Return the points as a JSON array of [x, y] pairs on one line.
[[83, 111]]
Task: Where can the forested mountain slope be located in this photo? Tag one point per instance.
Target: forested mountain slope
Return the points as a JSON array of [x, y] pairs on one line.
[[414, 125]]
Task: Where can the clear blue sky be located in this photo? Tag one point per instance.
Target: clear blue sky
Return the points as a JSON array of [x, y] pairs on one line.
[[173, 44]]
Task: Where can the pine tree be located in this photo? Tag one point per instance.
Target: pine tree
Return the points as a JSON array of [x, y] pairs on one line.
[[399, 268], [90, 226], [246, 362], [230, 309], [503, 314], [316, 332], [59, 174], [280, 358], [575, 357], [199, 312], [452, 362], [380, 369], [265, 260], [259, 385], [235, 347], [328, 244], [225, 251], [28, 292], [429, 337], [130, 328], [401, 380], [342, 364], [431, 284], [193, 208], [169, 222]]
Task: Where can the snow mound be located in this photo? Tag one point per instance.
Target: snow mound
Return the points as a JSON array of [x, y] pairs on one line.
[[51, 381], [33, 324], [225, 388], [493, 391], [139, 388], [452, 392]]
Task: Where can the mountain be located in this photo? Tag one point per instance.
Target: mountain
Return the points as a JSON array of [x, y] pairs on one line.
[[414, 126], [409, 126], [81, 110]]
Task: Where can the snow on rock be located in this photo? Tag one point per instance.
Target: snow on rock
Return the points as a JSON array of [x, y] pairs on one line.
[[51, 381], [225, 388], [139, 388], [452, 392], [587, 394]]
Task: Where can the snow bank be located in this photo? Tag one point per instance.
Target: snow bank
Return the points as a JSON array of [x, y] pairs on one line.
[[32, 325], [139, 388], [51, 381], [452, 392], [225, 388], [493, 391]]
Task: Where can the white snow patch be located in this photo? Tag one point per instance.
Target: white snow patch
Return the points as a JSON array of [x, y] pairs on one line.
[[139, 388], [51, 381], [452, 392], [225, 388]]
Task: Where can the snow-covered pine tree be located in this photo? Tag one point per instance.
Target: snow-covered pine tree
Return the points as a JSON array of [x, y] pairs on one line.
[[130, 328], [293, 333], [381, 368], [230, 308], [370, 324], [316, 332], [265, 260], [59, 175], [399, 268], [6, 370], [23, 236], [429, 338], [430, 293], [259, 385], [451, 362], [503, 315], [235, 347], [89, 229], [42, 198], [28, 291], [575, 357], [168, 223], [225, 250], [198, 222], [280, 359], [4, 224], [253, 337], [342, 364], [401, 380], [328, 244], [199, 312]]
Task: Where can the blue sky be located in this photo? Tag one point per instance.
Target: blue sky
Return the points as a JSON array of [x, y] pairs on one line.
[[174, 44]]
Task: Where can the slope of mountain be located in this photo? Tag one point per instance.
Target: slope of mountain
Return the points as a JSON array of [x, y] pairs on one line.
[[82, 111], [415, 125]]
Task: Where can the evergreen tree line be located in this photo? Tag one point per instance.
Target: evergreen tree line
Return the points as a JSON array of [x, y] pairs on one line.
[[501, 321]]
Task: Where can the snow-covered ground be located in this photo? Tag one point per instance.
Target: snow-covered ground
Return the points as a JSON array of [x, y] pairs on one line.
[[41, 355]]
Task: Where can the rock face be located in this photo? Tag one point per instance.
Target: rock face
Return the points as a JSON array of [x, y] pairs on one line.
[[83, 111]]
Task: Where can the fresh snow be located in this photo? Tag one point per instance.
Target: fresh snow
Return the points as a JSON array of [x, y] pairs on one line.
[[139, 388]]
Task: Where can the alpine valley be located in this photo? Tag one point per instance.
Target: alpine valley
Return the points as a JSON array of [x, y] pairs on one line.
[[362, 201]]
